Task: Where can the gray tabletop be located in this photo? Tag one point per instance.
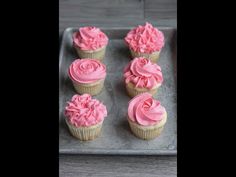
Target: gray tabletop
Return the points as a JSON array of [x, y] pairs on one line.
[[116, 13]]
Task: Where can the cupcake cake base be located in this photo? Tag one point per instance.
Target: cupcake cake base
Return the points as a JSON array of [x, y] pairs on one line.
[[152, 56], [85, 133], [132, 91], [98, 54], [92, 89], [147, 132]]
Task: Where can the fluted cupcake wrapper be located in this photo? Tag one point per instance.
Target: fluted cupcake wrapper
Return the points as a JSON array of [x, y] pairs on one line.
[[94, 54], [147, 132], [132, 92], [92, 89], [85, 133], [152, 56]]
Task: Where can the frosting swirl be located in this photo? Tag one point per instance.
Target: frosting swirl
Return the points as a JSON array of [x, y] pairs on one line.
[[143, 73], [89, 38], [87, 70], [144, 110], [82, 110], [145, 39]]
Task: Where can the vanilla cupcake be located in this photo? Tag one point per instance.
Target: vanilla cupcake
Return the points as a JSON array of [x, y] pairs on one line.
[[141, 75], [145, 41], [88, 75], [85, 116], [146, 116], [90, 42]]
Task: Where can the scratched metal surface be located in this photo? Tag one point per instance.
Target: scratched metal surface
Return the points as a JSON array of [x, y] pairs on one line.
[[116, 137]]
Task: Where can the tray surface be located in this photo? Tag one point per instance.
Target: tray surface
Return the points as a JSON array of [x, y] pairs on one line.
[[116, 137]]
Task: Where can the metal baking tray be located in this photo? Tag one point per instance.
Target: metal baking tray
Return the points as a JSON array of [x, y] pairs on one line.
[[116, 137]]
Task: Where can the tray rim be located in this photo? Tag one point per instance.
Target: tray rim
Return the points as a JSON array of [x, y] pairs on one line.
[[111, 151], [118, 152]]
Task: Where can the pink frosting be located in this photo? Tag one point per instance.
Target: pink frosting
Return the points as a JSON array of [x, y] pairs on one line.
[[82, 110], [87, 70], [145, 39], [143, 73], [144, 110], [90, 38]]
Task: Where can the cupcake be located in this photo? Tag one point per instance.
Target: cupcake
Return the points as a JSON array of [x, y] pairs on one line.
[[90, 42], [145, 41], [85, 116], [141, 75], [88, 75], [146, 116]]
